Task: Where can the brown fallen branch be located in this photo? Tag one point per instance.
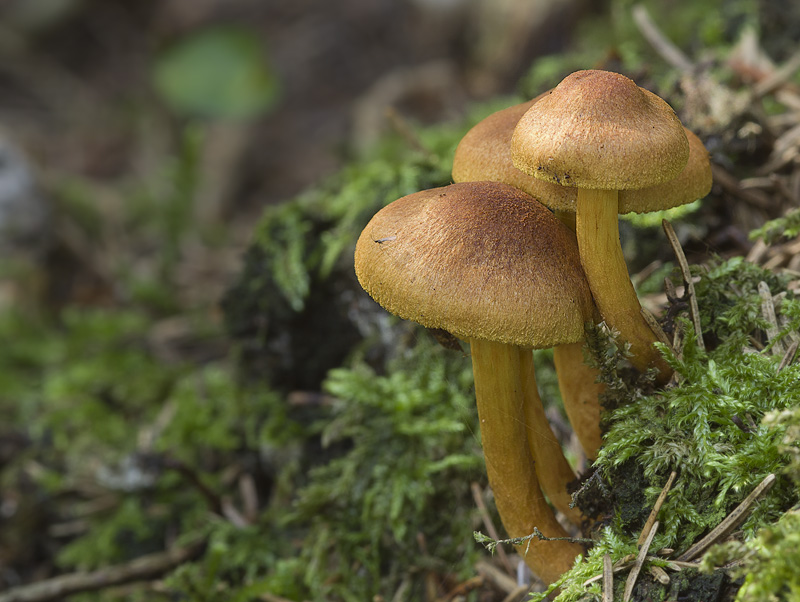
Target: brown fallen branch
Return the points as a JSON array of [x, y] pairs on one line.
[[144, 567]]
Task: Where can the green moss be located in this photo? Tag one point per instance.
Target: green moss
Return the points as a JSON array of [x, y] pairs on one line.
[[411, 453], [728, 424], [785, 227]]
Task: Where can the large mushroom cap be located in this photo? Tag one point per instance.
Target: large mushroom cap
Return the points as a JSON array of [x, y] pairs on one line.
[[484, 153], [599, 130], [479, 260]]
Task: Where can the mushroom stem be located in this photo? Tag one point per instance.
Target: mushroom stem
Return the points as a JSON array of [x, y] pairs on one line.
[[552, 468], [580, 393], [512, 476], [597, 229]]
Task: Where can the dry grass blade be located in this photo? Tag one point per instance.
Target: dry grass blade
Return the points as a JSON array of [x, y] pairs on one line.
[[768, 312], [648, 525], [757, 252], [608, 579], [687, 280], [637, 565], [517, 594], [477, 495], [663, 46], [789, 356], [778, 77], [659, 574], [617, 568], [496, 576], [655, 326], [731, 522], [144, 567], [464, 588]]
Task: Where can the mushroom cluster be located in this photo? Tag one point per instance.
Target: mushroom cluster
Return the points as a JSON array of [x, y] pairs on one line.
[[486, 260]]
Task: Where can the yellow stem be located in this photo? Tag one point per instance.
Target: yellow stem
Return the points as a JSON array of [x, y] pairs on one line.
[[580, 393], [597, 229], [552, 468], [512, 476]]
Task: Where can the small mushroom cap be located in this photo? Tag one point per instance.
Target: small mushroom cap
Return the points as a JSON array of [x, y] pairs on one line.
[[484, 153], [598, 129], [479, 260], [693, 183]]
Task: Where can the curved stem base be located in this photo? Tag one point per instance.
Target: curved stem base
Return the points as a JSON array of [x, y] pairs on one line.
[[581, 395], [512, 476], [552, 469]]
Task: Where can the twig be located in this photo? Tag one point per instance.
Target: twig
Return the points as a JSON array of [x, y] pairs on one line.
[[608, 579], [676, 565], [593, 478], [778, 77], [517, 593], [731, 185], [655, 326], [500, 579], [659, 574], [656, 507], [677, 344], [187, 472], [637, 565], [731, 522], [788, 357], [687, 281], [768, 312], [401, 593], [668, 51], [757, 252], [477, 495], [617, 568], [144, 567], [465, 587]]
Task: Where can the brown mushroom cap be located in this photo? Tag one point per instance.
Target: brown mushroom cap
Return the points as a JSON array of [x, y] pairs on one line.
[[479, 260], [693, 183], [484, 153], [599, 130]]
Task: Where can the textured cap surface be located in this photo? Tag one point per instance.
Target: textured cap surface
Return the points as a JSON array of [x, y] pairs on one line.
[[485, 154], [480, 260], [693, 183], [599, 130]]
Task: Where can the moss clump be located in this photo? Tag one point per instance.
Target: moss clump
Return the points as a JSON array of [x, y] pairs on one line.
[[410, 454], [719, 428]]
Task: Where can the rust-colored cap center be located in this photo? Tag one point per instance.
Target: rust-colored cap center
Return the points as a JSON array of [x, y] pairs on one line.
[[598, 129], [480, 260]]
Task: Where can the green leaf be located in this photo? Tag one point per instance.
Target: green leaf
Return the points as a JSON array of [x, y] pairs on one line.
[[217, 73]]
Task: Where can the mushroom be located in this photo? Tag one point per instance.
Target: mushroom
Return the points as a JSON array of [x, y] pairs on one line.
[[599, 132], [485, 154], [485, 262]]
